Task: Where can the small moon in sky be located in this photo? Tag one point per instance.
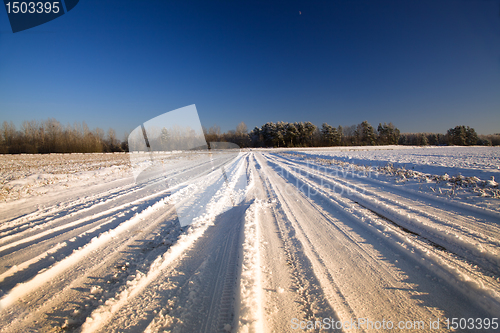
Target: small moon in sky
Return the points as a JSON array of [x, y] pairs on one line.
[[300, 13]]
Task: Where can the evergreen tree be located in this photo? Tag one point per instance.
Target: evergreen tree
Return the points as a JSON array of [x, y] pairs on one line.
[[301, 133], [268, 131], [365, 135], [330, 135], [309, 130], [462, 136], [387, 134], [279, 136], [291, 134], [470, 136]]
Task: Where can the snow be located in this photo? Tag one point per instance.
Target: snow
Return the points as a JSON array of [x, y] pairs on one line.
[[276, 237], [250, 285], [482, 162], [452, 172], [27, 175]]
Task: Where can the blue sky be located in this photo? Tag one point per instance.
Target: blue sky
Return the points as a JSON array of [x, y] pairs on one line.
[[424, 65]]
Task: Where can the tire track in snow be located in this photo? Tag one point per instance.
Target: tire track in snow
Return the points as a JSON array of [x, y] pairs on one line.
[[50, 217], [339, 265], [116, 311], [329, 253], [60, 241], [460, 277], [67, 243], [470, 245], [50, 233], [475, 221], [62, 301], [250, 312], [315, 294], [28, 287], [58, 268]]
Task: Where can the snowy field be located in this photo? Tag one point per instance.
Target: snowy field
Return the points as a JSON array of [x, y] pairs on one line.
[[26, 175], [364, 240], [482, 162]]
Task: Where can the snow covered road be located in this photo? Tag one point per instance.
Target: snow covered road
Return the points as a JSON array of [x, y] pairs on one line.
[[280, 242]]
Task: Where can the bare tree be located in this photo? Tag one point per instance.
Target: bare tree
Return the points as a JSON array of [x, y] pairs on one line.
[[241, 129]]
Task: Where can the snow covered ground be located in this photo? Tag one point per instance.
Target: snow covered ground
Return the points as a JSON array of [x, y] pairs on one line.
[[482, 162], [283, 241], [26, 175], [460, 173]]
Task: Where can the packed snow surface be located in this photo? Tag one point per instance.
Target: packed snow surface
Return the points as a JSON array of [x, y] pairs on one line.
[[286, 240]]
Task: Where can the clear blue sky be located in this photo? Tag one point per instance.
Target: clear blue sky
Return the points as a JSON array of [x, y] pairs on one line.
[[424, 65]]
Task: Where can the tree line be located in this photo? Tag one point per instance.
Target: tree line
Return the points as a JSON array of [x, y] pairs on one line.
[[50, 136], [458, 136], [306, 134]]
